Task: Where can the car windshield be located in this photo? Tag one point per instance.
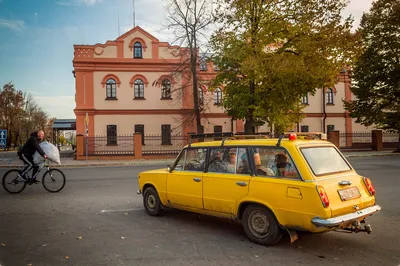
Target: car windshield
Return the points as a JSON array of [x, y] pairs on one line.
[[324, 160]]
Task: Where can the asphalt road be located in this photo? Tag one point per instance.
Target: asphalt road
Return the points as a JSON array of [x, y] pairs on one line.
[[41, 228]]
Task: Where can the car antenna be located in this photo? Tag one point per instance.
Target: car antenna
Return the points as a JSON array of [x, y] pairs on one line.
[[280, 139]]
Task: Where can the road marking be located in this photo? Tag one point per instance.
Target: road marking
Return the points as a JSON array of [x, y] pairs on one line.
[[122, 210]]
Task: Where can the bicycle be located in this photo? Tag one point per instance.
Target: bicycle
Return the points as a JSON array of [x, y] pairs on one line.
[[13, 179]]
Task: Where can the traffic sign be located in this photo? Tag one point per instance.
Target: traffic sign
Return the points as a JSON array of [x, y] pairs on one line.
[[3, 138]]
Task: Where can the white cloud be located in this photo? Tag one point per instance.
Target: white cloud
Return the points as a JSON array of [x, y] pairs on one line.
[[17, 25], [65, 4], [33, 13], [57, 106], [91, 2]]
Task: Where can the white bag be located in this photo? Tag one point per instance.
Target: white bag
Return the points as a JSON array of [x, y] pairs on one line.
[[50, 150]]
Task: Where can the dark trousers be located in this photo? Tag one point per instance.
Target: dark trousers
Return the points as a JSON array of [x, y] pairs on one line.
[[29, 164]]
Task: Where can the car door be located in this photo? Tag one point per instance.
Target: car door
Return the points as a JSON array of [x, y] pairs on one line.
[[226, 180], [278, 185], [185, 182]]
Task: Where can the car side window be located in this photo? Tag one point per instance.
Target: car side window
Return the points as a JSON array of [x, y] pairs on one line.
[[192, 159], [181, 161], [222, 160], [274, 162], [243, 164]]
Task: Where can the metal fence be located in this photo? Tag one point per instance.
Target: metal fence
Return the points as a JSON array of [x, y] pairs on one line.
[[157, 145], [390, 137], [111, 145], [355, 139]]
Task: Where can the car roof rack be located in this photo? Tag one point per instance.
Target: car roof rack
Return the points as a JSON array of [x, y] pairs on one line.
[[223, 135], [228, 135], [302, 136], [309, 135]]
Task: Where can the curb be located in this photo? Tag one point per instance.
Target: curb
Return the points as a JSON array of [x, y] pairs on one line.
[[91, 165], [165, 163]]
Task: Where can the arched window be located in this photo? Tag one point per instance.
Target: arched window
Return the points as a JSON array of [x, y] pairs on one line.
[[201, 96], [111, 89], [166, 89], [139, 88], [137, 50], [218, 96], [329, 96]]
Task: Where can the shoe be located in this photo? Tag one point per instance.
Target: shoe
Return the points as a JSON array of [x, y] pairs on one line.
[[23, 177]]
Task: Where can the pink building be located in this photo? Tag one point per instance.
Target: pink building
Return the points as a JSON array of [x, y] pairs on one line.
[[126, 86]]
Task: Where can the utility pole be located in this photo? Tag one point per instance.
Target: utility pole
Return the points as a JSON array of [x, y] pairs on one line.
[[134, 24]]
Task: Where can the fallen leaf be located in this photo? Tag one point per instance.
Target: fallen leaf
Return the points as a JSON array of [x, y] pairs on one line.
[[30, 264], [3, 245], [66, 257], [44, 245], [122, 237], [79, 238]]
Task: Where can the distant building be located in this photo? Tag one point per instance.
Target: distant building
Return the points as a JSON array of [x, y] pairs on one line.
[[126, 86]]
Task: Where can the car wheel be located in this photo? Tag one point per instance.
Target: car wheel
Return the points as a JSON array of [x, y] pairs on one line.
[[151, 201], [260, 225]]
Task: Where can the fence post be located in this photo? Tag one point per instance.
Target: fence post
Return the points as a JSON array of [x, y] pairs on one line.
[[377, 143], [334, 137], [137, 144], [80, 145]]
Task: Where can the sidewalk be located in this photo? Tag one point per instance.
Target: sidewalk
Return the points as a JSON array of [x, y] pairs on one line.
[[69, 162]]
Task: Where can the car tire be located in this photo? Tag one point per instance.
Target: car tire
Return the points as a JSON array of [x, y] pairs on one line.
[[261, 226], [151, 202]]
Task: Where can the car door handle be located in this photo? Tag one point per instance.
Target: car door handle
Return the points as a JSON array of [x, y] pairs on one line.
[[241, 184], [345, 183], [196, 179]]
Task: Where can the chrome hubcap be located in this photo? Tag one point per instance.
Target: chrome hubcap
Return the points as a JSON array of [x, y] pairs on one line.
[[151, 201], [258, 224]]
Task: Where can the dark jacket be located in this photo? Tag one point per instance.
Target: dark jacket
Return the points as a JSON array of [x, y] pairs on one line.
[[32, 145]]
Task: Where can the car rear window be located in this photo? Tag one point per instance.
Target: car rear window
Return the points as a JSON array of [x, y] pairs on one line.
[[324, 160]]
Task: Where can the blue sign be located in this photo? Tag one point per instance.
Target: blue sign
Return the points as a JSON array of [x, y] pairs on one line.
[[3, 138]]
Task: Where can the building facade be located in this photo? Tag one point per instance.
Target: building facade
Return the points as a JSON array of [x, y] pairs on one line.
[[126, 86]]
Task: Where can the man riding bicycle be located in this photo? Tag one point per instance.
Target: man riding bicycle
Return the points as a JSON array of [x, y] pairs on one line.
[[27, 152]]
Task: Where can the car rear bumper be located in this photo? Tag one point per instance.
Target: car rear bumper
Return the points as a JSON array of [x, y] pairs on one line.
[[343, 219]]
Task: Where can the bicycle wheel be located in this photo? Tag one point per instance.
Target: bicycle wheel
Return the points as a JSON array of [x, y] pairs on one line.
[[53, 180], [12, 183]]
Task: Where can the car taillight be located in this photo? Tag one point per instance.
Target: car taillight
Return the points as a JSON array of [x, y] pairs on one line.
[[324, 197], [369, 186]]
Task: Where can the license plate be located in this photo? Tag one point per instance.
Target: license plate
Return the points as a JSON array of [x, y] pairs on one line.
[[349, 193]]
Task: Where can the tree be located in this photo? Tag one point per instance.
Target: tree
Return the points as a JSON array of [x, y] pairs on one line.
[[271, 53], [19, 114], [376, 75], [11, 110], [190, 19]]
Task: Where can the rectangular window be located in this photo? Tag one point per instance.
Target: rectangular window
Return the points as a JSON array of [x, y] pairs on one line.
[[111, 135], [217, 129], [304, 100], [304, 128], [325, 160], [330, 127], [192, 159], [140, 129], [274, 162], [203, 66], [166, 134]]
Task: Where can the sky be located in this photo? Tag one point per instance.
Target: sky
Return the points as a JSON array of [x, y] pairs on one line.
[[37, 38]]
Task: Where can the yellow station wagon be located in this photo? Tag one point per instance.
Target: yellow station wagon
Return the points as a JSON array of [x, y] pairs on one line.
[[295, 183]]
